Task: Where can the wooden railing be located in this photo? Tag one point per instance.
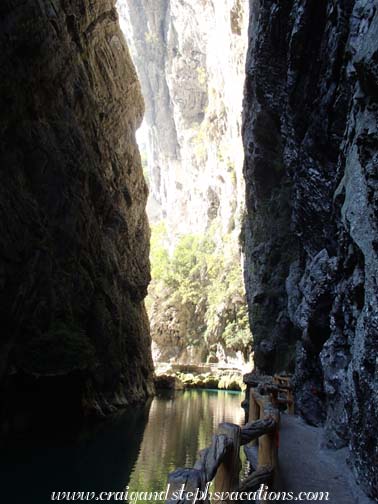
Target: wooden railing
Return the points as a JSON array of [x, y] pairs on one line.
[[283, 387], [220, 462]]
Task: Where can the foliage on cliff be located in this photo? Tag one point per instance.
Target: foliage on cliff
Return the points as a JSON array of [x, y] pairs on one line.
[[197, 295]]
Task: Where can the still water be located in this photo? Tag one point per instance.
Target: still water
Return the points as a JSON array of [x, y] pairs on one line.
[[138, 450]]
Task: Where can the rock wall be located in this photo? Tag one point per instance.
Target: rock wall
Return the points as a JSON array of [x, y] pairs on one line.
[[74, 265], [311, 142], [190, 56]]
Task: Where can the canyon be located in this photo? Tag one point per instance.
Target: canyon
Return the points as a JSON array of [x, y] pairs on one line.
[[190, 57], [285, 191]]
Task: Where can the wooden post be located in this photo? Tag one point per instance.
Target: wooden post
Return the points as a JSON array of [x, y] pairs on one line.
[[227, 477], [267, 447], [254, 412], [211, 458], [285, 383], [183, 481], [274, 397], [254, 409], [267, 455]]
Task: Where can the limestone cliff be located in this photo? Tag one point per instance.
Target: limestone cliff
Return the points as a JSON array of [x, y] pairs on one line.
[[74, 265], [190, 56], [311, 142]]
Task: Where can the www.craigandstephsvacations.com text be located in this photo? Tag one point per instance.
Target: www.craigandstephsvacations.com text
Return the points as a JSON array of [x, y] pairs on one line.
[[262, 494]]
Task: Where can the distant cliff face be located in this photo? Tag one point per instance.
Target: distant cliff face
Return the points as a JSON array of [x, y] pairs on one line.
[[190, 56], [311, 143], [74, 236]]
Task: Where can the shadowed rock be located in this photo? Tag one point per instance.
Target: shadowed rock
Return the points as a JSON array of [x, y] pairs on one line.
[[74, 236], [311, 142]]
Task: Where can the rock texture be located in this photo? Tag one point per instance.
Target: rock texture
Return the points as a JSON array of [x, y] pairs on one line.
[[311, 143], [190, 56], [74, 236]]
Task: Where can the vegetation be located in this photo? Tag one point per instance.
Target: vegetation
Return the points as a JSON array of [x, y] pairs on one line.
[[199, 142], [218, 380], [202, 75], [202, 279], [151, 38]]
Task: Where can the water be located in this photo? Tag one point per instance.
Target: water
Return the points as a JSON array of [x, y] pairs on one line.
[[177, 429], [138, 450]]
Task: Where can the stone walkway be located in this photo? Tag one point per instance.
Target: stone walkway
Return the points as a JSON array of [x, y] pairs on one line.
[[305, 466]]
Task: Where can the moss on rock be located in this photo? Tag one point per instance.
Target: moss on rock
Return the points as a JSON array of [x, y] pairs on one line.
[[62, 349]]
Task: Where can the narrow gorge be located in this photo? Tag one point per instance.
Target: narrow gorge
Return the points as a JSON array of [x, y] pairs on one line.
[[190, 56], [189, 183]]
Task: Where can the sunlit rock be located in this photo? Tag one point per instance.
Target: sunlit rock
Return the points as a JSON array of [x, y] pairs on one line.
[[190, 56]]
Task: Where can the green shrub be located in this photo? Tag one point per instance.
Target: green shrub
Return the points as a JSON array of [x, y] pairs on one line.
[[205, 277]]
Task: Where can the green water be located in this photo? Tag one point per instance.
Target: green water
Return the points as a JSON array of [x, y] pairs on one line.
[[177, 429], [138, 450]]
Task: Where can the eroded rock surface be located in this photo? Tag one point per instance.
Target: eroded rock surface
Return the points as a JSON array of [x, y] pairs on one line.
[[190, 56], [74, 236], [311, 142]]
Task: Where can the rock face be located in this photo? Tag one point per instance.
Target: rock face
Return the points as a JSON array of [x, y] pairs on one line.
[[74, 236], [311, 142], [190, 56]]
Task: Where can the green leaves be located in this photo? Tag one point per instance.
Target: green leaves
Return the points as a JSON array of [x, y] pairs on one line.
[[203, 272]]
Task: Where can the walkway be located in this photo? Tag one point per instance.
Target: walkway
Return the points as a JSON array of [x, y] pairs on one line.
[[304, 466]]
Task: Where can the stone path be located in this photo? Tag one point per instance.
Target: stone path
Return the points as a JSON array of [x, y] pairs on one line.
[[305, 466]]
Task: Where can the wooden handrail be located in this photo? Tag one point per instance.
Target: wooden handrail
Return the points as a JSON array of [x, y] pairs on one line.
[[267, 455], [211, 458], [221, 460], [227, 476], [285, 385], [253, 430]]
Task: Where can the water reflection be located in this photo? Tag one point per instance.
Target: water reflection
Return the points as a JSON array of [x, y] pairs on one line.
[[30, 472], [137, 450], [178, 427]]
